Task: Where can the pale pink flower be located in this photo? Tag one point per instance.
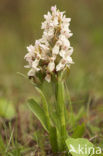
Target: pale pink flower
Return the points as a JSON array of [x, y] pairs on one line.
[[51, 53]]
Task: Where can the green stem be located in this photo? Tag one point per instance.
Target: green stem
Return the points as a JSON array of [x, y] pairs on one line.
[[61, 115]]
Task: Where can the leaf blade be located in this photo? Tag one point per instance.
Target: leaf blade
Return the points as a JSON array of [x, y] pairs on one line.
[[38, 112]]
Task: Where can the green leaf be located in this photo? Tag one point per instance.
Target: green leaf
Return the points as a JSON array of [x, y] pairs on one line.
[[45, 106], [6, 109], [53, 139], [55, 120], [79, 147], [78, 131], [38, 112]]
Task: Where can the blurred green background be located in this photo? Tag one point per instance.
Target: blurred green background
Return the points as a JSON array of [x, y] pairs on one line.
[[20, 23]]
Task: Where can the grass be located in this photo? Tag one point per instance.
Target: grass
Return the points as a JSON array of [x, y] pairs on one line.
[[23, 135]]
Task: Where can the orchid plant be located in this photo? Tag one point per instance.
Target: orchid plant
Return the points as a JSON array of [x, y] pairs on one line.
[[49, 59]]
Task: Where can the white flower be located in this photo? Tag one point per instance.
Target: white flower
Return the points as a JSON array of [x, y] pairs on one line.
[[66, 20], [54, 8], [53, 58], [66, 61], [64, 42], [30, 53], [31, 72], [27, 66], [53, 51], [55, 22], [48, 34], [66, 57], [35, 64], [60, 66], [30, 49], [48, 78], [62, 53], [65, 54], [51, 66], [48, 16], [70, 51], [69, 60], [34, 68]]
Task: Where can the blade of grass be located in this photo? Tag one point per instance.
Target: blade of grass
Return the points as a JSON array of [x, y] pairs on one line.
[[10, 139]]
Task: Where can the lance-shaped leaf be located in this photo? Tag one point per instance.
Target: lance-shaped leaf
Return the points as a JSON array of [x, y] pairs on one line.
[[38, 112], [79, 131], [45, 106]]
